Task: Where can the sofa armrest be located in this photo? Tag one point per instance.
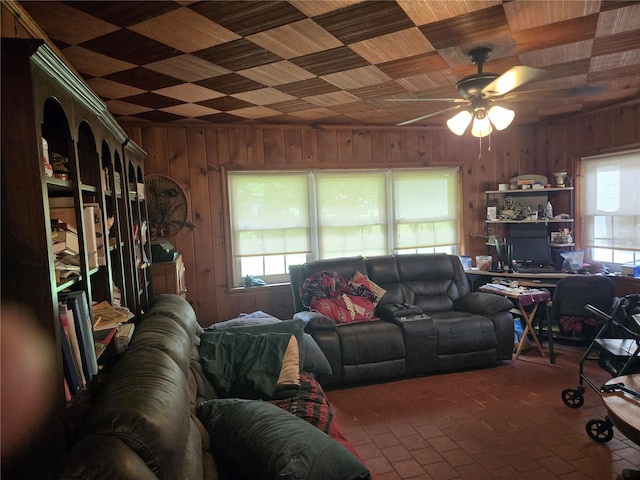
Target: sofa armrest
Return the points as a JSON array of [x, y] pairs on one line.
[[393, 311], [315, 321], [482, 303]]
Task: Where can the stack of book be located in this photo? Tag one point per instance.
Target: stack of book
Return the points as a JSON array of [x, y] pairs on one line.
[[66, 248], [76, 337]]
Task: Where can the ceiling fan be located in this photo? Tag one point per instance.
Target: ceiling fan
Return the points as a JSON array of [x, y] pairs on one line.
[[479, 91]]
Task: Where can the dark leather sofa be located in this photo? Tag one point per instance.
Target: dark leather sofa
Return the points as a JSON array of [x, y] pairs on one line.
[[458, 328], [144, 423]]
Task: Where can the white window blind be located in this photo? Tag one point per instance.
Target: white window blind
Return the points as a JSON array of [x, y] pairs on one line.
[[611, 207], [426, 208], [269, 213], [352, 215]]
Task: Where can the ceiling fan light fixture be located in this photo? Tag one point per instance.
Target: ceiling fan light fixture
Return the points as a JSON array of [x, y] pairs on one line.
[[481, 126], [501, 117], [459, 122]]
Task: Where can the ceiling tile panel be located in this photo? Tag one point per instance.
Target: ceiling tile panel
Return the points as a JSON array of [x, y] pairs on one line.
[[291, 106], [225, 104], [189, 110], [381, 90], [143, 78], [126, 13], [331, 61], [546, 36], [569, 52], [617, 21], [295, 40], [264, 96], [523, 15], [231, 83], [357, 78], [249, 17], [187, 68], [54, 18], [361, 21], [422, 12], [237, 55], [277, 73], [198, 32], [313, 9], [480, 25], [306, 88], [151, 100], [130, 47], [119, 107], [158, 116], [413, 65], [189, 92], [394, 46], [616, 43], [255, 112], [110, 89], [94, 64]]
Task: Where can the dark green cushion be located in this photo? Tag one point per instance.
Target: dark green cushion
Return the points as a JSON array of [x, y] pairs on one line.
[[239, 364], [264, 442], [293, 327]]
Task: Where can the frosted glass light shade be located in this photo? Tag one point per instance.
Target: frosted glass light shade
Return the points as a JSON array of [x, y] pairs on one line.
[[501, 117], [459, 122], [481, 127]]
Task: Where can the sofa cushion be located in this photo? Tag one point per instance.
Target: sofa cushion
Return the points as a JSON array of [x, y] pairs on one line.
[[240, 364], [264, 442], [460, 332], [315, 360]]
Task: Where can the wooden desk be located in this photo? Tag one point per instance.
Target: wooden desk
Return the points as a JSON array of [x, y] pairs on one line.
[[523, 299], [535, 280]]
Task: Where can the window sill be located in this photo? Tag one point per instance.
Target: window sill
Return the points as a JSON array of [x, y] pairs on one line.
[[272, 287]]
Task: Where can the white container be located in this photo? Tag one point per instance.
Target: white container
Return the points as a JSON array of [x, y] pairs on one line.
[[483, 262]]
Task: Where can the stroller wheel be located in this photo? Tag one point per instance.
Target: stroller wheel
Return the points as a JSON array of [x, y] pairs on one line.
[[600, 430], [572, 397]]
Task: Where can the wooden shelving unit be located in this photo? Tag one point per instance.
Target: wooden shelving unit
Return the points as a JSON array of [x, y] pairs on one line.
[[43, 99]]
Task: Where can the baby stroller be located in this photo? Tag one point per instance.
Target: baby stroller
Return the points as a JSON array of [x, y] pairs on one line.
[[615, 347]]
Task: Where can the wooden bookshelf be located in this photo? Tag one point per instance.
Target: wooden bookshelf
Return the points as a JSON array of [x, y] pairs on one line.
[[43, 99]]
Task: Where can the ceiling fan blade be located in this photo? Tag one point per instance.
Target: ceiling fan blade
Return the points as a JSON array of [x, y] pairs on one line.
[[511, 79], [407, 122], [452, 100], [555, 93]]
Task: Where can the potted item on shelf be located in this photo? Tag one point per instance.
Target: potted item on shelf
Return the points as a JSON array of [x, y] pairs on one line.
[[510, 208]]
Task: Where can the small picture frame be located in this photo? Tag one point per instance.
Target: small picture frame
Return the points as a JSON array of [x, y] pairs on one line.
[[556, 237]]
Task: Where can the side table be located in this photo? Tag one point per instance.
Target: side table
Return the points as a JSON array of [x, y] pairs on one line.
[[524, 298]]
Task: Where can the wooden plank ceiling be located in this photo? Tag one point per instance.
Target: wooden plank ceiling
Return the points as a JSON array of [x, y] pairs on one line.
[[338, 62]]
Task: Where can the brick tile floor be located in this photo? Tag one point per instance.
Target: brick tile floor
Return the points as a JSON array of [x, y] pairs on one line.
[[507, 422]]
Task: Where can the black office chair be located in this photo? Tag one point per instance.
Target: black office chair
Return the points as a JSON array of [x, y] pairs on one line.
[[571, 295]]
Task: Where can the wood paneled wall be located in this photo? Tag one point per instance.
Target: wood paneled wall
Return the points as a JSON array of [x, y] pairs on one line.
[[195, 155]]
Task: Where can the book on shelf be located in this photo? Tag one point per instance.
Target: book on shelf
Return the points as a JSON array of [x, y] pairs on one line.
[[123, 336], [77, 304], [107, 317], [91, 245], [102, 338], [75, 376], [95, 234], [62, 232]]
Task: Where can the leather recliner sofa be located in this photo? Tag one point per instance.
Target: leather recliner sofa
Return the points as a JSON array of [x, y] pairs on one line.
[[428, 320]]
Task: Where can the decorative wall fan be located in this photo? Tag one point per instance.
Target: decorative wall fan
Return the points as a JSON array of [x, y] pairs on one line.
[[167, 207], [480, 90]]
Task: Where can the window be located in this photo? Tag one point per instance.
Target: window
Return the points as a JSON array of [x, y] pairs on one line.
[[611, 208], [279, 219]]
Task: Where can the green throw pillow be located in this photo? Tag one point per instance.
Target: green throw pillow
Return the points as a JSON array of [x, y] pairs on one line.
[[264, 442]]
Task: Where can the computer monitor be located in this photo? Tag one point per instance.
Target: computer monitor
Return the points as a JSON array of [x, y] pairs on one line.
[[529, 251]]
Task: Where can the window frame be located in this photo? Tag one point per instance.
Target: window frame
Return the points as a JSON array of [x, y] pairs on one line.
[[232, 268]]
